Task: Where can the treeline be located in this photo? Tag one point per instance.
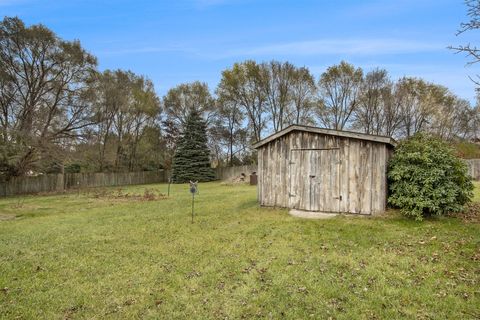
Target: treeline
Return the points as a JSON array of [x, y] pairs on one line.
[[58, 112]]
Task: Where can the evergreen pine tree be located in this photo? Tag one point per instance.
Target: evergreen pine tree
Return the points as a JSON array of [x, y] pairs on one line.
[[191, 160]]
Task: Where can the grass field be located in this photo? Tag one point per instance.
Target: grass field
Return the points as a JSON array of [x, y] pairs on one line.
[[102, 256]]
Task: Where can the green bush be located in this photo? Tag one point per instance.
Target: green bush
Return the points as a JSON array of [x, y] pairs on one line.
[[426, 178]]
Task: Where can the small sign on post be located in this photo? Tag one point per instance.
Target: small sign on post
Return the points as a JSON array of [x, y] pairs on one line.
[[193, 191]]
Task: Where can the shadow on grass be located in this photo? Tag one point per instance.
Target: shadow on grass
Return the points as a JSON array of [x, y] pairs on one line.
[[248, 204]]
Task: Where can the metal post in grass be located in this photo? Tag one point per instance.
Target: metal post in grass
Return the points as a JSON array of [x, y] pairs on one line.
[[169, 183], [193, 190]]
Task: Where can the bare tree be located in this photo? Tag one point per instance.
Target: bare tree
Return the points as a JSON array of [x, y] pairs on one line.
[[415, 104], [475, 120], [392, 111], [339, 89], [370, 112], [47, 82], [463, 120], [186, 97], [113, 97], [471, 51], [126, 106], [230, 129], [243, 85], [7, 98], [277, 83], [144, 111], [303, 92]]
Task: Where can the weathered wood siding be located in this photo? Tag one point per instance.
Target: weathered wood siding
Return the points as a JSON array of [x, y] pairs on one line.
[[473, 168], [345, 175]]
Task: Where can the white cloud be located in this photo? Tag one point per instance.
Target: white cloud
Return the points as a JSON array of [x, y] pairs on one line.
[[337, 46], [340, 47], [140, 49]]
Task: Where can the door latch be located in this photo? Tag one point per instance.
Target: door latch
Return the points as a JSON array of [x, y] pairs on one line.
[[339, 198]]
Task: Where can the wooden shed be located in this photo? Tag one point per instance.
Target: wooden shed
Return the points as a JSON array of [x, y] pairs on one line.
[[315, 169]]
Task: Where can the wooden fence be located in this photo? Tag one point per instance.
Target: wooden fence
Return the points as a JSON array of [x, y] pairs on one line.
[[85, 180], [68, 181], [61, 182], [25, 185], [474, 168]]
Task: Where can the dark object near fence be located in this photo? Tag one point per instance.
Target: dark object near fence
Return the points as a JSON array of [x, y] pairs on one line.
[[253, 179]]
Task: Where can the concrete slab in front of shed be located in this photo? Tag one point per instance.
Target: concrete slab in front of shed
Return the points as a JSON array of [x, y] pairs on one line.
[[312, 214]]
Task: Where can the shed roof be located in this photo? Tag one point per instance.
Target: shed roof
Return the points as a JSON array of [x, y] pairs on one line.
[[338, 133]]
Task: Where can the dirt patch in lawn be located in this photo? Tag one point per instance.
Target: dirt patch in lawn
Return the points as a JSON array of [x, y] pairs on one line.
[[121, 195], [6, 217]]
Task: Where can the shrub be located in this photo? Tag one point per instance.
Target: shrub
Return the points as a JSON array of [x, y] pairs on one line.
[[426, 178]]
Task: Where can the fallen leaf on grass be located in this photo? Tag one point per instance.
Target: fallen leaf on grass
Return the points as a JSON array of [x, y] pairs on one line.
[[68, 313], [193, 274], [302, 290], [129, 302]]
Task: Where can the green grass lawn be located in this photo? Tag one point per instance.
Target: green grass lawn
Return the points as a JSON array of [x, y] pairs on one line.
[[84, 256]]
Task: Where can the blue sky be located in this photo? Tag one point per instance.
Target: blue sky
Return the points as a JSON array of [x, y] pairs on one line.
[[186, 40]]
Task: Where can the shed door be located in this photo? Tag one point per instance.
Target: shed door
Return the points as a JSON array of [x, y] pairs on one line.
[[315, 180]]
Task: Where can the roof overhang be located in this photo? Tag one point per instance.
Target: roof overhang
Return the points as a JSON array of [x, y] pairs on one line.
[[331, 132]]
